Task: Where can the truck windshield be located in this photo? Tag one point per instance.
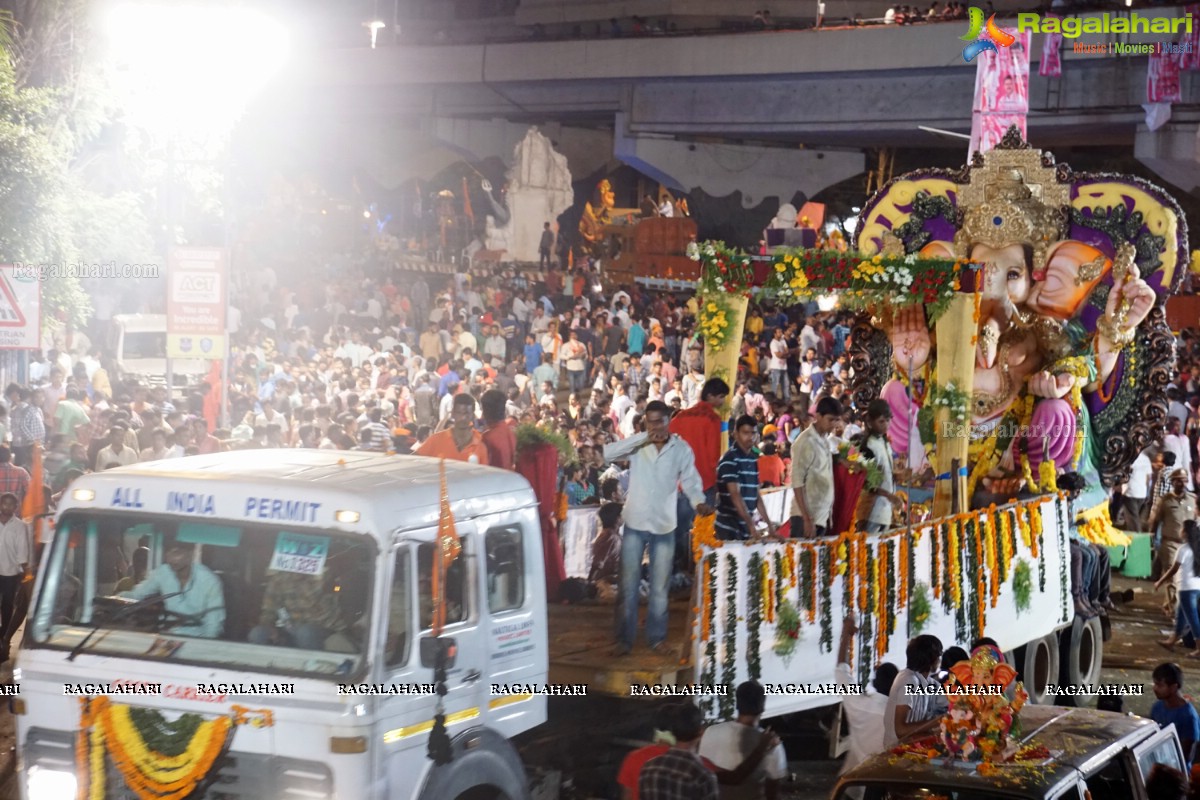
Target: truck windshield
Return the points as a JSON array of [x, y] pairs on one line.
[[246, 597], [144, 344], [909, 792]]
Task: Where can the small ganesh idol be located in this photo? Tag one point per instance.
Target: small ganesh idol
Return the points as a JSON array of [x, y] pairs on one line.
[[981, 714]]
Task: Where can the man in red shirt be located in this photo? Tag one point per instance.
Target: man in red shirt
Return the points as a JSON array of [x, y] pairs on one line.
[[631, 767], [499, 436], [700, 426]]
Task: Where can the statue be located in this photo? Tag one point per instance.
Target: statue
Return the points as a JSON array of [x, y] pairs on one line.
[[537, 191], [597, 214], [1072, 349], [785, 217], [981, 715]]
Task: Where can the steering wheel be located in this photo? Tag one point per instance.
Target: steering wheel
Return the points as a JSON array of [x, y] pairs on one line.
[[165, 617]]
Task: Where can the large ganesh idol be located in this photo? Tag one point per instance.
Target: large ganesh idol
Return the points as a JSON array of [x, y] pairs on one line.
[[1072, 351]]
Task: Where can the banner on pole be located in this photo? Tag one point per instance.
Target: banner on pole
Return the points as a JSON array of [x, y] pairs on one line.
[[198, 278], [1001, 93]]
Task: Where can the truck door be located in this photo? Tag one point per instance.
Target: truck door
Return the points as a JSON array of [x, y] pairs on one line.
[[407, 718], [514, 635]]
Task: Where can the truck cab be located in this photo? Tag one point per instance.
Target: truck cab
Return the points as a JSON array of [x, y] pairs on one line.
[[1090, 754], [142, 352], [356, 721]]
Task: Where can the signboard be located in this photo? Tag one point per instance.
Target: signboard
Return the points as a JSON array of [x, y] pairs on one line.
[[197, 280], [20, 309], [1001, 92]]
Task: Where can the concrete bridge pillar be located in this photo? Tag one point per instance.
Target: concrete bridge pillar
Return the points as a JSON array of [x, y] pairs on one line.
[[1172, 151]]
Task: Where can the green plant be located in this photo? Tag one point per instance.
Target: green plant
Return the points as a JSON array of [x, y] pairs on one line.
[[530, 436], [919, 607], [1022, 585], [787, 631]]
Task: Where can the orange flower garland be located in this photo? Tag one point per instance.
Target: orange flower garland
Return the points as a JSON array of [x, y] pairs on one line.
[[150, 775], [768, 591], [881, 598], [902, 568], [936, 546], [992, 543], [704, 534], [706, 600], [860, 549], [955, 567]]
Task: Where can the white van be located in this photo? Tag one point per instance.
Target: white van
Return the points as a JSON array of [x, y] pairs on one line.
[[367, 523], [142, 352]]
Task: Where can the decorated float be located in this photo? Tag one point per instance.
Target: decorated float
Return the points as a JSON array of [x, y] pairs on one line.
[[1012, 315]]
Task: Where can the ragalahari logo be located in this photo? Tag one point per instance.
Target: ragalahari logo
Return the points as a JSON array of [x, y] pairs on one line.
[[981, 37]]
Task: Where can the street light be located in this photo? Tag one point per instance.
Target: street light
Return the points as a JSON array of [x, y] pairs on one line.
[[375, 26]]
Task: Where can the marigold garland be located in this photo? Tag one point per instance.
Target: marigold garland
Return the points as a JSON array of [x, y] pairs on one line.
[[905, 569], [935, 547], [151, 775], [954, 565], [704, 534]]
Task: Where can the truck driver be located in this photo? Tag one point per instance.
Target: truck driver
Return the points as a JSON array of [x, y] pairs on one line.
[[190, 589]]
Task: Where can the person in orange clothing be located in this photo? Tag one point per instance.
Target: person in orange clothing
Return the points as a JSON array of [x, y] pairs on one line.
[[459, 442], [770, 465], [700, 426]]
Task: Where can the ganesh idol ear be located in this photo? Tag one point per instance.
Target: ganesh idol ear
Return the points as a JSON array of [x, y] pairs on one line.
[[937, 250], [1003, 674], [963, 672], [1062, 284]]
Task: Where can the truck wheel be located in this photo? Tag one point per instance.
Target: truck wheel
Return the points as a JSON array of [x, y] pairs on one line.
[[1083, 653], [1037, 663]]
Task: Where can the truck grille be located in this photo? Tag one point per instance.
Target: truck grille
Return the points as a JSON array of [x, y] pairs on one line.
[[239, 776]]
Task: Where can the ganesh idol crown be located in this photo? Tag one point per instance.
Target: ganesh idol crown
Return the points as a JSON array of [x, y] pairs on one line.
[[1072, 350]]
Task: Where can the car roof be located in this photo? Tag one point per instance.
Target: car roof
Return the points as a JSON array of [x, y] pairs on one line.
[[1078, 739]]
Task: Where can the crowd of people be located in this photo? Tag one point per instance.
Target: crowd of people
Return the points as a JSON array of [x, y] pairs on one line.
[[449, 366]]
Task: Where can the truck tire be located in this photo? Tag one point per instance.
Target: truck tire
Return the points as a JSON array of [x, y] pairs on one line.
[[1082, 655], [1037, 664]]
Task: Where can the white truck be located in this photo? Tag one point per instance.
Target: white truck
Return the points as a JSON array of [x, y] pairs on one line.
[[357, 719], [142, 353]]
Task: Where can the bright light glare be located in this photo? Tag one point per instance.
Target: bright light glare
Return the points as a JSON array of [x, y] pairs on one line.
[[849, 224], [189, 67], [827, 302], [50, 783]]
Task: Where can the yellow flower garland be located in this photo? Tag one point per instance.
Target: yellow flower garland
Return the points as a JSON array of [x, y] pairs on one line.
[[151, 775]]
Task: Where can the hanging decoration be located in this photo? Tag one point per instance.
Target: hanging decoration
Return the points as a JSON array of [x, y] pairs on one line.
[[755, 591], [787, 632], [158, 760], [1022, 586], [919, 607]]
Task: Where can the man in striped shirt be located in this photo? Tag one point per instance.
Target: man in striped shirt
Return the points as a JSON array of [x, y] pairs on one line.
[[737, 486], [381, 436]]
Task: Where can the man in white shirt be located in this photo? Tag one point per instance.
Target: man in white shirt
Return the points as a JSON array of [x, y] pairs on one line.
[[15, 555], [1177, 443], [1137, 490], [812, 473], [660, 465], [864, 712], [778, 366], [913, 707], [727, 744], [115, 452]]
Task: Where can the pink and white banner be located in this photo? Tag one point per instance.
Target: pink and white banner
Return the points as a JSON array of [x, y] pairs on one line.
[[1051, 64], [1191, 41], [1162, 78], [1001, 93]]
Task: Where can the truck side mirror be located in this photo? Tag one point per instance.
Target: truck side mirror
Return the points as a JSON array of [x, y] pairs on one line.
[[431, 647]]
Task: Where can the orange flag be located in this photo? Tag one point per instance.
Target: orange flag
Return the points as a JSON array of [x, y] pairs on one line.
[[35, 498], [445, 551], [468, 212]]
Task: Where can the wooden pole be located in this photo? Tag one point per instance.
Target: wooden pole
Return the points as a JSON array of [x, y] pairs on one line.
[[956, 331]]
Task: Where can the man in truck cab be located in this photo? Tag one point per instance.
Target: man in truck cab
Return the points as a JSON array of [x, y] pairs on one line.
[[297, 611], [191, 589]]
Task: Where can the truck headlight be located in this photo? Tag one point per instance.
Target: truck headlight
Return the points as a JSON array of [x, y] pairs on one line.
[[44, 782]]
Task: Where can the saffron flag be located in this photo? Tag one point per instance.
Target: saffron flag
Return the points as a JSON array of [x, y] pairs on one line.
[[35, 502], [468, 211], [1051, 64], [446, 549], [1001, 92]]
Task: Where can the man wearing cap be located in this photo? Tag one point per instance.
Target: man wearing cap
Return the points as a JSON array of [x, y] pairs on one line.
[[190, 589], [1172, 509]]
